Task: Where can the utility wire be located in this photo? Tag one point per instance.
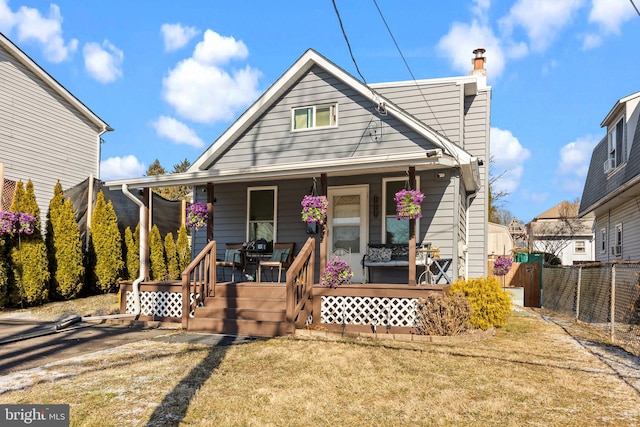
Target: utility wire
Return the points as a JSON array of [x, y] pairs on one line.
[[634, 6], [346, 39]]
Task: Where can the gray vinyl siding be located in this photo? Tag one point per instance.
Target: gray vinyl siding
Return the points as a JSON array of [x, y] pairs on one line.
[[270, 140], [42, 137], [627, 215]]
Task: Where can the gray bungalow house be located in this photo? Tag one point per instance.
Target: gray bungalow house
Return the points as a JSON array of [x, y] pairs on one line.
[[612, 188], [319, 130], [46, 133]]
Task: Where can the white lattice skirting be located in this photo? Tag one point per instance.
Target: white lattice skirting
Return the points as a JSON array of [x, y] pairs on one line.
[[368, 310], [157, 303]]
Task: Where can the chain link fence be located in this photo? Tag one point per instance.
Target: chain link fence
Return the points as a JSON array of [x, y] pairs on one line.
[[604, 295]]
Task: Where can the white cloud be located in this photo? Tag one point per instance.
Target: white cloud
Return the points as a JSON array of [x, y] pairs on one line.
[[590, 41], [32, 26], [508, 157], [202, 91], [461, 40], [609, 15], [542, 20], [121, 167], [176, 36], [574, 162], [103, 63], [215, 49], [168, 127]]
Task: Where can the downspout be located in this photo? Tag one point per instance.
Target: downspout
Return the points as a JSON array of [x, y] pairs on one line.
[[104, 130], [136, 283], [466, 232]]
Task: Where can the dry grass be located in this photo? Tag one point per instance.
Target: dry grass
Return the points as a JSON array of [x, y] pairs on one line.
[[95, 305], [532, 373]]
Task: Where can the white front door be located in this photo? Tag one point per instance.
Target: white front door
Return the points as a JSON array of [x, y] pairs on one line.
[[348, 225]]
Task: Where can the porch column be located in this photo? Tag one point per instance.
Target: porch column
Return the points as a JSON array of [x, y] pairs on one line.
[[210, 200], [144, 233], [412, 233], [323, 239]]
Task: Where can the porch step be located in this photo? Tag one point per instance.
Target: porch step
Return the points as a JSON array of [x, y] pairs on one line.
[[256, 328], [251, 290], [242, 313], [252, 303]]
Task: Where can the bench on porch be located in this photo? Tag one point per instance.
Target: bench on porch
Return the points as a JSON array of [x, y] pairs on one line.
[[394, 255]]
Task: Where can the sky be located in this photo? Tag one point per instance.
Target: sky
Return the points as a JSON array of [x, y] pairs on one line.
[[171, 76]]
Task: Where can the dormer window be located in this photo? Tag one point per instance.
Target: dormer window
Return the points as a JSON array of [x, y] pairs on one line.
[[314, 116], [616, 153]]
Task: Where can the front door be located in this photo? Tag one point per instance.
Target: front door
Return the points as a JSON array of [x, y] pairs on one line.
[[348, 226]]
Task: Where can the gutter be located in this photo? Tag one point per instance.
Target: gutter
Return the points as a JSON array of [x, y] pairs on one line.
[[466, 232], [136, 283]]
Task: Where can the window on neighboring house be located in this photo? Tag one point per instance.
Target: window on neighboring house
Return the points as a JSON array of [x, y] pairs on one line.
[[314, 117], [579, 247], [616, 146], [603, 240], [262, 213], [394, 230], [618, 248]]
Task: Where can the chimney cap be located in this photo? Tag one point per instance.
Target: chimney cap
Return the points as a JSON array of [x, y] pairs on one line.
[[479, 52]]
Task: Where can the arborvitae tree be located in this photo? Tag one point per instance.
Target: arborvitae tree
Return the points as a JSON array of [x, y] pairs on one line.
[[132, 242], [156, 255], [29, 254], [182, 249], [106, 244], [172, 257], [68, 250], [4, 276], [55, 205]]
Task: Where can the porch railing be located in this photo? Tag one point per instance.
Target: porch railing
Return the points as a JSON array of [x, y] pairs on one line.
[[198, 281], [300, 277]]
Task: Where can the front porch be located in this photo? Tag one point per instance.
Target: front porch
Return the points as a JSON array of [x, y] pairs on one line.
[[274, 309]]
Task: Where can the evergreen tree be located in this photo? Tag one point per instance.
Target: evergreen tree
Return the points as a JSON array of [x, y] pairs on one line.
[[68, 250], [172, 257], [182, 249], [132, 243], [29, 253], [55, 205], [106, 244], [156, 255]]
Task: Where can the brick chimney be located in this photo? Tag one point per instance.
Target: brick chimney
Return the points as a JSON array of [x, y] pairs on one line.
[[478, 62]]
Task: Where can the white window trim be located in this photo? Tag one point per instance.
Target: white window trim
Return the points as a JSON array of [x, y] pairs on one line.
[[275, 209], [583, 248], [611, 163], [333, 105], [383, 209], [619, 234], [604, 242]]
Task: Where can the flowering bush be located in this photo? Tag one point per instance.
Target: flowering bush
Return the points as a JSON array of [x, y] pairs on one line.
[[502, 266], [314, 209], [12, 223], [408, 204], [336, 273], [197, 216]]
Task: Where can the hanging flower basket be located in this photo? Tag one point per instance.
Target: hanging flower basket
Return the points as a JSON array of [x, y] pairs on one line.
[[314, 209], [17, 223], [336, 273], [502, 266], [408, 204], [197, 216]]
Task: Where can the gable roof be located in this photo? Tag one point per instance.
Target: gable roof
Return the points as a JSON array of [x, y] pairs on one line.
[[32, 66]]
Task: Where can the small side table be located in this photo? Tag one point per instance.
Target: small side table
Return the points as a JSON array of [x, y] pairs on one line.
[[425, 258]]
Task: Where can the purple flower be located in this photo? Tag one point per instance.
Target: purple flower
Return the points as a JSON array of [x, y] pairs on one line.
[[12, 223], [408, 204], [501, 266], [336, 273], [197, 216], [314, 209]]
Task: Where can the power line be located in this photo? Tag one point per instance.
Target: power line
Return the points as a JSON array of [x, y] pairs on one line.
[[346, 39], [634, 6]]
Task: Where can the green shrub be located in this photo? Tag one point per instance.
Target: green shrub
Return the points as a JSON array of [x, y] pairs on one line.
[[156, 255], [55, 205], [68, 253], [132, 243], [106, 245], [170, 250], [491, 304], [440, 314], [4, 274], [183, 249]]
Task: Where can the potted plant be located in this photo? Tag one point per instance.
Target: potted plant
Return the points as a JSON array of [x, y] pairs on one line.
[[408, 204], [20, 223], [197, 216], [336, 273], [314, 209], [501, 267]]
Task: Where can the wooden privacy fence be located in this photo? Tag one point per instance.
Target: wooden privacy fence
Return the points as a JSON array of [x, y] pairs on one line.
[[522, 275]]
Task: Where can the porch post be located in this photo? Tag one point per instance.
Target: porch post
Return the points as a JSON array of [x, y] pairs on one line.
[[210, 200], [412, 233], [323, 240], [144, 233]]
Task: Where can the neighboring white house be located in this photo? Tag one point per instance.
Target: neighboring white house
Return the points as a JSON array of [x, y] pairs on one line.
[[612, 190], [560, 232], [46, 133]]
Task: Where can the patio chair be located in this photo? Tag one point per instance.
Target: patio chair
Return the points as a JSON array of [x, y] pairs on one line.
[[282, 257], [234, 258]]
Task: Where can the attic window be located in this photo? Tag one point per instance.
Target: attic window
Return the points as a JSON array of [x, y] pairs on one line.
[[616, 146], [314, 117]]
